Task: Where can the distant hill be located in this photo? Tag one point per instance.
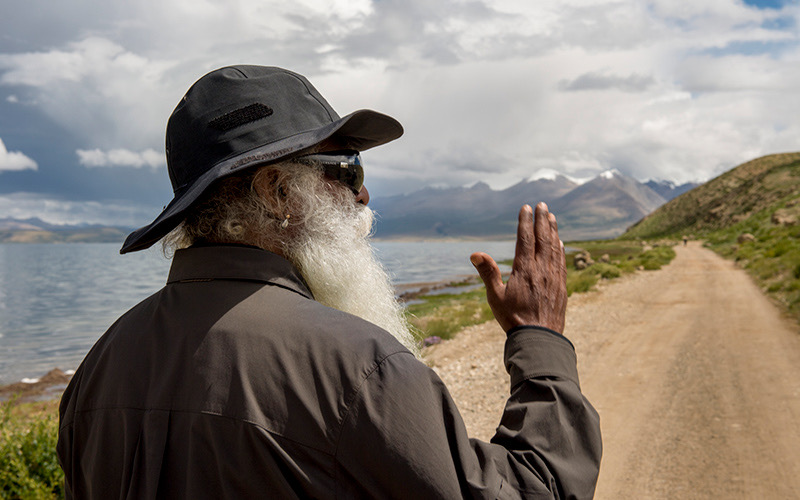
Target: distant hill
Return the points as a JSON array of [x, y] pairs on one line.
[[729, 199], [462, 212], [601, 208], [668, 189], [37, 231]]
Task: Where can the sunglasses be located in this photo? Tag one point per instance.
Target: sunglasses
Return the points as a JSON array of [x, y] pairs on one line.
[[342, 166]]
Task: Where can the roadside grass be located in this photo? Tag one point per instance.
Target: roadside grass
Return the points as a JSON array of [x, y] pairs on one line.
[[28, 465], [445, 315], [773, 259], [625, 257], [616, 249]]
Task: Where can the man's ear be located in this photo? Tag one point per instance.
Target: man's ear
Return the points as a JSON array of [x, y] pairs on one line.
[[267, 185]]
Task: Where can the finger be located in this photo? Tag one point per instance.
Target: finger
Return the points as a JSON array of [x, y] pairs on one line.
[[556, 244], [551, 218], [523, 255], [541, 226], [564, 294], [489, 272]]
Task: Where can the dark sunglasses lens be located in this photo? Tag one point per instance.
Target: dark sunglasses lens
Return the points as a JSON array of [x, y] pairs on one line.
[[352, 175], [342, 166]]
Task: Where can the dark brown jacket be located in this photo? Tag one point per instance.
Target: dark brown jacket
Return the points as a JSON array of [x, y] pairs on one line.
[[232, 382]]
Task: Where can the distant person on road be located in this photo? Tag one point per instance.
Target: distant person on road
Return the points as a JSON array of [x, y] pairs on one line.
[[276, 362], [685, 240]]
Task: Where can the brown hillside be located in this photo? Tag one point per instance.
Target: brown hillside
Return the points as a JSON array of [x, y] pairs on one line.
[[726, 200]]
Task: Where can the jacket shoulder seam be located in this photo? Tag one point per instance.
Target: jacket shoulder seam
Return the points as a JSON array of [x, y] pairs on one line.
[[349, 407], [206, 413]]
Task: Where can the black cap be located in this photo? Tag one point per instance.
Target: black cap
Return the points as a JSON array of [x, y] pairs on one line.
[[239, 117]]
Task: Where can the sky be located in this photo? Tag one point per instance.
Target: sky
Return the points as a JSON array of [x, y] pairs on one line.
[[487, 90]]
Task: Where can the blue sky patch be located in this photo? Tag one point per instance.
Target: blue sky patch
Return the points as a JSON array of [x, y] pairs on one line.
[[780, 23], [750, 48], [765, 4]]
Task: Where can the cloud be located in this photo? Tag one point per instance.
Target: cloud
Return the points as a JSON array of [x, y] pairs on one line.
[[105, 95], [14, 160], [488, 90], [600, 81], [95, 158], [12, 99], [761, 73]]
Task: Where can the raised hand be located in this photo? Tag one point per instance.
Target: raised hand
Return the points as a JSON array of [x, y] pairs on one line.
[[536, 291]]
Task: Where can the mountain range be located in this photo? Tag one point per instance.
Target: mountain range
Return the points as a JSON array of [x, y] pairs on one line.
[[600, 208], [35, 230]]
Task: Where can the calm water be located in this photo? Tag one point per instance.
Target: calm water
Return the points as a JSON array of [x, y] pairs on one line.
[[57, 300]]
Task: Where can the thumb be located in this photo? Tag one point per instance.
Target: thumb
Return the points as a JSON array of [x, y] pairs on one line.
[[489, 272]]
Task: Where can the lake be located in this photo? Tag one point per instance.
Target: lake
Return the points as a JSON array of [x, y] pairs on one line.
[[57, 300]]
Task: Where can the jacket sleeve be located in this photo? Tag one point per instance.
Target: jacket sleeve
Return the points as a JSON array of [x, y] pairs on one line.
[[403, 436]]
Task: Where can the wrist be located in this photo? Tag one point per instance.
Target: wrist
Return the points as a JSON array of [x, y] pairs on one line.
[[538, 327]]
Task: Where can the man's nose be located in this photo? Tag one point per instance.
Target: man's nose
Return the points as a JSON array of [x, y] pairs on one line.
[[363, 196]]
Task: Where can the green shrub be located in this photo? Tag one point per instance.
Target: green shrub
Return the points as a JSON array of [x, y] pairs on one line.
[[580, 281], [28, 465], [779, 248], [774, 287], [605, 271], [655, 258]]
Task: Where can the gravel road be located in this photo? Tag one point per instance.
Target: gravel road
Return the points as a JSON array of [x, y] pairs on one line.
[[695, 374]]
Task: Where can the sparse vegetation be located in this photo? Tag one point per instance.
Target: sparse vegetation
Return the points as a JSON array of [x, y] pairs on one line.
[[624, 257]]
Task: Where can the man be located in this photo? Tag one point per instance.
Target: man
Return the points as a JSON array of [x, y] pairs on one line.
[[276, 363]]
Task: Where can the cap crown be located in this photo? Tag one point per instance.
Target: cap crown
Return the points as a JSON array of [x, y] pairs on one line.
[[237, 109]]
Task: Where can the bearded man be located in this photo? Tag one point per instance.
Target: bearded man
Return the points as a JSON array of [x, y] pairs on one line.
[[276, 361]]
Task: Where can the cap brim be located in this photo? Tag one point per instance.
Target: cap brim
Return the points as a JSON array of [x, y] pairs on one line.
[[360, 130]]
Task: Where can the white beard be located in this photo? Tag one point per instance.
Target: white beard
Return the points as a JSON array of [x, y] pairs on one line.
[[333, 254]]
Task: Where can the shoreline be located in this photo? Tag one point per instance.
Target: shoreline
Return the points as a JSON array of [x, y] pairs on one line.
[[45, 388]]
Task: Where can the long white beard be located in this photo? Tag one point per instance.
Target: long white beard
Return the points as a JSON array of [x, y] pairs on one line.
[[333, 254]]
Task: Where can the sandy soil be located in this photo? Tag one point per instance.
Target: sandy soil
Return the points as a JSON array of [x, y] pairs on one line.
[[695, 374]]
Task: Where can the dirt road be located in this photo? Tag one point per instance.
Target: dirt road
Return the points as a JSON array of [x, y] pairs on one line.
[[695, 374]]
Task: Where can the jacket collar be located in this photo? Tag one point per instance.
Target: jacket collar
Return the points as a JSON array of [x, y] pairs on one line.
[[236, 262]]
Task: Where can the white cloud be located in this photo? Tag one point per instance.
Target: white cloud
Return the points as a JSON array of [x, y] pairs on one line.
[[93, 158], [674, 90], [741, 73], [15, 160], [12, 99], [97, 90], [600, 81]]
